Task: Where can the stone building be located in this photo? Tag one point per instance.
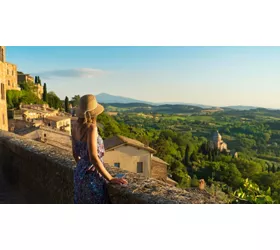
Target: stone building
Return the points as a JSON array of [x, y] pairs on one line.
[[8, 71], [38, 90], [8, 81], [134, 156], [218, 142], [62, 123], [24, 77]]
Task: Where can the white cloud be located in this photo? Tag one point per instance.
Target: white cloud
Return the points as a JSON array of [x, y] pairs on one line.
[[77, 73]]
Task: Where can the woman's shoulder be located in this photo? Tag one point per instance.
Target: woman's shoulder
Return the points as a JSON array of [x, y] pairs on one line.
[[92, 130], [92, 127]]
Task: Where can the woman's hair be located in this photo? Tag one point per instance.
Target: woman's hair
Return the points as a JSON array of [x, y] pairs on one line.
[[87, 120]]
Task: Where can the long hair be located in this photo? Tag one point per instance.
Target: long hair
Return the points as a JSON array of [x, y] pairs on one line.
[[84, 123]]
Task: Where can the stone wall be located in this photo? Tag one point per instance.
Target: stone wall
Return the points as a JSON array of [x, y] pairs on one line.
[[41, 172], [44, 174], [159, 170]]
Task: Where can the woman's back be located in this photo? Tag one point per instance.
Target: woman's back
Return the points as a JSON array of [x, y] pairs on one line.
[[80, 142]]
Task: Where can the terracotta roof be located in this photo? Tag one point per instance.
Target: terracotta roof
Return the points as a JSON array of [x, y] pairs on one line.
[[118, 140], [154, 158], [57, 118]]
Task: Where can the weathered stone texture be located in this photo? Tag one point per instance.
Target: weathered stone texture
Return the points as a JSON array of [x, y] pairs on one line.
[[44, 174], [159, 170]]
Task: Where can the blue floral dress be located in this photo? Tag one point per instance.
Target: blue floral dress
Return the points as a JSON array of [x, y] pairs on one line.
[[90, 187]]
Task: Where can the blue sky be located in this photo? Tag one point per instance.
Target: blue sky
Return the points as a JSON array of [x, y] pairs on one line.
[[219, 76]]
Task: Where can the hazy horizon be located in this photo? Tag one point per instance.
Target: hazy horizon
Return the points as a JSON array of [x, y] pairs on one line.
[[215, 76]]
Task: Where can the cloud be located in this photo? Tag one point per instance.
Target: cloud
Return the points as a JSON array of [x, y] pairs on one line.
[[77, 73]]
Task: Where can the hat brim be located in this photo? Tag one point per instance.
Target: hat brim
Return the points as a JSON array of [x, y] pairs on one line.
[[97, 111]]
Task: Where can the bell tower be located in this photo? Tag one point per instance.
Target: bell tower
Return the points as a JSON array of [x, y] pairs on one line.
[[2, 54]]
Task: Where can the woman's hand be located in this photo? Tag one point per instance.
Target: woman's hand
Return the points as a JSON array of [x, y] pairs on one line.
[[119, 181]]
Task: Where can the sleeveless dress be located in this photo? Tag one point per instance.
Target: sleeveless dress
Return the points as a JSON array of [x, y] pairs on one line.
[[90, 187]]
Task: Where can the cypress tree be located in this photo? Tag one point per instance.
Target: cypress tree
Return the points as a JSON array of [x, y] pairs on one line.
[[66, 102], [187, 155], [45, 96]]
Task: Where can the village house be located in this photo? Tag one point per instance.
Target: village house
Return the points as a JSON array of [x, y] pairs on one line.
[[62, 123], [36, 111], [134, 156]]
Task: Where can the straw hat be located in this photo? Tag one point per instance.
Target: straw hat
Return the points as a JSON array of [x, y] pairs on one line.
[[89, 107]]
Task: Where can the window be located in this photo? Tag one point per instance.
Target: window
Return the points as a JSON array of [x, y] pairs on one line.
[[2, 91], [9, 83], [140, 167], [117, 164], [7, 71], [4, 120]]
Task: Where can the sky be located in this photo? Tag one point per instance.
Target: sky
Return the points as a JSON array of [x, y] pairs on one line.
[[218, 76]]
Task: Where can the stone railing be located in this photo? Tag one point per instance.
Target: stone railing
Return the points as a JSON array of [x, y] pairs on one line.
[[44, 174]]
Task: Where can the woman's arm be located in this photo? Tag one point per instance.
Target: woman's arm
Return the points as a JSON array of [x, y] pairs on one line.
[[93, 155], [76, 157]]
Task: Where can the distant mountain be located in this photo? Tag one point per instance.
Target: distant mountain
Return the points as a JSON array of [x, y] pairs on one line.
[[112, 99], [107, 98], [183, 103], [240, 107]]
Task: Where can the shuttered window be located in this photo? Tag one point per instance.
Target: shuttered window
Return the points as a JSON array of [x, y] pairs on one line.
[[2, 91], [140, 167]]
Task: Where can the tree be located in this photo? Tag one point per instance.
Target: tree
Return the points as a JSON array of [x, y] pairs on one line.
[[53, 100], [187, 155], [66, 103], [266, 136], [193, 157], [75, 100], [45, 93], [194, 182]]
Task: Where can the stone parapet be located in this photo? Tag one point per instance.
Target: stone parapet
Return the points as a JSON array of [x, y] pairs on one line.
[[44, 174]]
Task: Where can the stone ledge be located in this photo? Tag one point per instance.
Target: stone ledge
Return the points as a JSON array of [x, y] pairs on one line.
[[45, 174]]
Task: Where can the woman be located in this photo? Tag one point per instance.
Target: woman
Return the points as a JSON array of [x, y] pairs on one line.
[[90, 177]]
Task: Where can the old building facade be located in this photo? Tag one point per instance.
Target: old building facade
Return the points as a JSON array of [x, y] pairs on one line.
[[8, 81], [24, 77], [134, 156]]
